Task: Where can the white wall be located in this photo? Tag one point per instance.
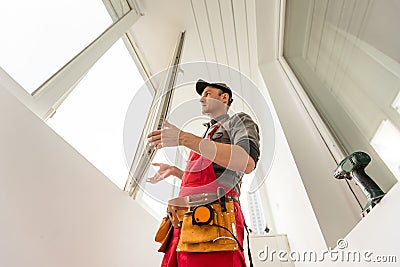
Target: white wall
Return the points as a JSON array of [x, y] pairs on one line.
[[59, 210], [379, 231], [287, 199]]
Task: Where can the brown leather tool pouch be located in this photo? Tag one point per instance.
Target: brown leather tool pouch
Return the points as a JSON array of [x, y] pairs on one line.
[[210, 237], [164, 234]]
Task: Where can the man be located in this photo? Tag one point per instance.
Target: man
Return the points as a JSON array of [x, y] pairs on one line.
[[228, 149]]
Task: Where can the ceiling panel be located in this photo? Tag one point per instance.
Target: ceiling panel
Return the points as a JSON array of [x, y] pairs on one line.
[[203, 28], [216, 31], [229, 31], [240, 16]]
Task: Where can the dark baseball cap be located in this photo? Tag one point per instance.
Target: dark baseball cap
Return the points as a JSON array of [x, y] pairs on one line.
[[201, 85]]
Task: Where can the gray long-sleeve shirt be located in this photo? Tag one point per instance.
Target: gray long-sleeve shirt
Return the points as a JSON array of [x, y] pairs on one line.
[[239, 130]]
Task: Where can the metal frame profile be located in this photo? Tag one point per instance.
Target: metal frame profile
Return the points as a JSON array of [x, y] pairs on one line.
[[117, 9], [161, 105]]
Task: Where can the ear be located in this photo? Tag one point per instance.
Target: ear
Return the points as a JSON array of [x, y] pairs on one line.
[[225, 96]]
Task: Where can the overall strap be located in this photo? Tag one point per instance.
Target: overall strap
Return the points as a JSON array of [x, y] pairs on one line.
[[211, 133], [248, 245]]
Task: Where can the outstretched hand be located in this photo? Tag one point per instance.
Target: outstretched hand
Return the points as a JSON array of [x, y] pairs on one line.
[[163, 172], [167, 137]]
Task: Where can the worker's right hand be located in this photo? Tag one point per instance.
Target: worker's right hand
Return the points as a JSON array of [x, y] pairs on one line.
[[163, 172]]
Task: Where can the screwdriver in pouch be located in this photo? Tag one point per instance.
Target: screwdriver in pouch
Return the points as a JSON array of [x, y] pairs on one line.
[[222, 198]]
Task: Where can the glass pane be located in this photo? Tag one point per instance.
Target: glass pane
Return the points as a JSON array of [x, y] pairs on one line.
[[92, 118], [345, 54], [39, 37], [387, 143]]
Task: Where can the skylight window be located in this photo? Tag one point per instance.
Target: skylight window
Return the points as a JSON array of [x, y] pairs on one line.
[[39, 37], [386, 143], [396, 103], [92, 117]]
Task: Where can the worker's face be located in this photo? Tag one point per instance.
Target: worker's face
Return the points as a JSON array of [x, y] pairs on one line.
[[213, 101]]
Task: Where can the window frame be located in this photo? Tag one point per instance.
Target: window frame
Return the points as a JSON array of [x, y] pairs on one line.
[[160, 107]]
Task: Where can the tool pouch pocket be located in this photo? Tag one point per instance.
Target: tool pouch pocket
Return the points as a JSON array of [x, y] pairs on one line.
[[192, 234], [164, 233], [209, 237]]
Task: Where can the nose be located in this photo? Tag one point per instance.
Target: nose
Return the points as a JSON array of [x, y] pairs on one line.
[[202, 99]]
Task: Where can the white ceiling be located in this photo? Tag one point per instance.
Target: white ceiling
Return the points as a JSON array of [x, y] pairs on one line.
[[220, 31]]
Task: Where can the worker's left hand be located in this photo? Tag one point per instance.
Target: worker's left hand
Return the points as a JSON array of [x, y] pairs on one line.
[[167, 137]]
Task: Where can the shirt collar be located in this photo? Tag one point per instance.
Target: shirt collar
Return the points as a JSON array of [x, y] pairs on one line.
[[219, 119]]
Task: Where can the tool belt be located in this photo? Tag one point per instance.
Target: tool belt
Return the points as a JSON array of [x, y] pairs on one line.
[[206, 224]]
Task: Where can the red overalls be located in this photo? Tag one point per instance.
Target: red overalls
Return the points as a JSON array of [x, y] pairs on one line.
[[199, 177]]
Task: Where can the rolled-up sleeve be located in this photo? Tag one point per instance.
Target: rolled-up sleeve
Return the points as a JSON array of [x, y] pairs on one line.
[[245, 133]]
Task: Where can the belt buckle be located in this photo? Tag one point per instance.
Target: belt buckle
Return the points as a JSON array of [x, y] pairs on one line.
[[203, 198]]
